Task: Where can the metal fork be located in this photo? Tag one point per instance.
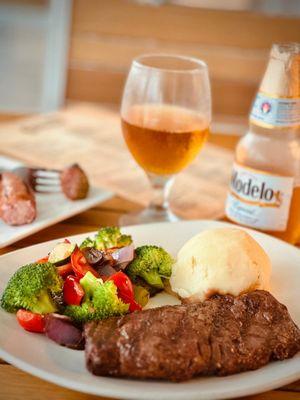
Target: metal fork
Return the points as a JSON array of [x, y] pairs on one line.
[[41, 180]]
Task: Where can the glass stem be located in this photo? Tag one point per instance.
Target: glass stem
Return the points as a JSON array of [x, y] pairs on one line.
[[161, 187]]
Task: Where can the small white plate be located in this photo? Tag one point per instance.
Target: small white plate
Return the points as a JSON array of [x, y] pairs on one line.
[[51, 209], [39, 356]]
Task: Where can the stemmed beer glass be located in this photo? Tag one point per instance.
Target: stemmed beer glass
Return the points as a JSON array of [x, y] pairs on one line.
[[166, 114]]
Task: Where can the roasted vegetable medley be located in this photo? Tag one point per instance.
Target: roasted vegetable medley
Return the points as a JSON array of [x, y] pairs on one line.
[[104, 276]]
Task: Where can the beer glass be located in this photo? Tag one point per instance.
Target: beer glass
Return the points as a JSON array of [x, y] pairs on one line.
[[166, 114]]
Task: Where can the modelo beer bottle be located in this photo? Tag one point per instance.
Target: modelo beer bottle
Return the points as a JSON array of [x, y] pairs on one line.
[[265, 185]]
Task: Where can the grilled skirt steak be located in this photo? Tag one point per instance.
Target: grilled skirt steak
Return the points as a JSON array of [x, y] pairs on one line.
[[221, 336]]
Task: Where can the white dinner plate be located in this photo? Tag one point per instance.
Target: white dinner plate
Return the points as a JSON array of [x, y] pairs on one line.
[[39, 356]]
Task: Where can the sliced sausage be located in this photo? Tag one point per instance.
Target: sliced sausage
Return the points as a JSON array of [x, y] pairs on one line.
[[74, 182], [17, 200]]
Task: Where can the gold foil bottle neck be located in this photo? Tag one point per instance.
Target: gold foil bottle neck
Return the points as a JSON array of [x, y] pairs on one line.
[[282, 76]]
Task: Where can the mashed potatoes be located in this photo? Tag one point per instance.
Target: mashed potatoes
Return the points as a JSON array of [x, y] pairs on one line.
[[224, 261]]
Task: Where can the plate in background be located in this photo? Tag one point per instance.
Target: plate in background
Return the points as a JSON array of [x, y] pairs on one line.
[[39, 356], [51, 209]]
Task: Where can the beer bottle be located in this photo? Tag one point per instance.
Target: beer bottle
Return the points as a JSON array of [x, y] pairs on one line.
[[264, 192]]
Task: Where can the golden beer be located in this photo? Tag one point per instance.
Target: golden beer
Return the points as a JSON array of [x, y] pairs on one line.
[[164, 139]]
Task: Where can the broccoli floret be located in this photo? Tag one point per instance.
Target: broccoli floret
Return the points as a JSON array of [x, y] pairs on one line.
[[107, 238], [33, 287], [111, 237], [100, 301], [151, 263], [88, 242]]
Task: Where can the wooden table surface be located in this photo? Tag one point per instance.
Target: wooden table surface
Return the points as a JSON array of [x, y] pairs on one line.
[[18, 385]]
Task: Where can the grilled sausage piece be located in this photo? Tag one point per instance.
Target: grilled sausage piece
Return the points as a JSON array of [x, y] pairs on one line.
[[17, 201], [221, 336], [74, 182]]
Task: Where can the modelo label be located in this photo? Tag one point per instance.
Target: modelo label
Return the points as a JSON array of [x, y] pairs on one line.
[[258, 199], [270, 111]]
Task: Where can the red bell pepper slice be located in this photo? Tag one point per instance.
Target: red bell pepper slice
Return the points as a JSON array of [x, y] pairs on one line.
[[64, 270], [30, 321], [123, 283], [72, 291], [80, 265], [134, 306], [43, 260], [125, 290]]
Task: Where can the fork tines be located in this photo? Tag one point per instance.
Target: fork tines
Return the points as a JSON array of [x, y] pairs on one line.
[[45, 180]]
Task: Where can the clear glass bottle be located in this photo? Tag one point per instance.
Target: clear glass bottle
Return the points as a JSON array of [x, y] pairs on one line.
[[265, 186]]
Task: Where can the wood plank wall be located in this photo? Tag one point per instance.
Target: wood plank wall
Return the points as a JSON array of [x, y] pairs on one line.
[[107, 34]]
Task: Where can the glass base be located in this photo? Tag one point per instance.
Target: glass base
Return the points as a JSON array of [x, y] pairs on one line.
[[147, 216]]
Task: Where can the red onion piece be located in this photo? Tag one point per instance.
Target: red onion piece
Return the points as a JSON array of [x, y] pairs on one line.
[[61, 330], [123, 256]]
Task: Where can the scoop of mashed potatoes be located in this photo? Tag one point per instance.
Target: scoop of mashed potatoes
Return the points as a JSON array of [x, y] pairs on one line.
[[222, 260]]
